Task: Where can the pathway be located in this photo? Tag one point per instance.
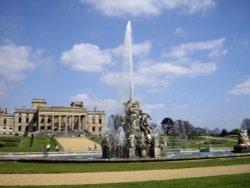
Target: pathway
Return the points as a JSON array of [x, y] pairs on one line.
[[118, 177], [79, 144]]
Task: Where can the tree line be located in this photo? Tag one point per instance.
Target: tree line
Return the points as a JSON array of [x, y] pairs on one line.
[[174, 128]]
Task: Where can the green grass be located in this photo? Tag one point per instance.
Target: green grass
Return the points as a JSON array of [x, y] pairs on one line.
[[96, 139], [195, 142], [24, 145], [23, 167], [226, 181]]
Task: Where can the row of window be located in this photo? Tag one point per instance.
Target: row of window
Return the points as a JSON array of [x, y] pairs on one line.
[[43, 120], [6, 121], [8, 127]]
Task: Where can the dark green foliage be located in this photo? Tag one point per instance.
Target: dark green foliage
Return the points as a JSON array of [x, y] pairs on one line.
[[2, 144], [39, 144], [31, 140], [96, 139], [10, 139]]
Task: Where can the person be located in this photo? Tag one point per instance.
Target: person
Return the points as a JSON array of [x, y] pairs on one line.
[[48, 147], [57, 148], [95, 147], [89, 147]]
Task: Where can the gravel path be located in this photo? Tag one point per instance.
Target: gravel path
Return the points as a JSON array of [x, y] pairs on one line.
[[80, 144], [119, 177]]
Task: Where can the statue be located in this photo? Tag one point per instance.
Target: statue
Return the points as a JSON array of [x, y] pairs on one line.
[[139, 141], [243, 138], [243, 144]]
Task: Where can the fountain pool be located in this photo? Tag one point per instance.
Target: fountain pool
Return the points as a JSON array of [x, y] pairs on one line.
[[91, 157]]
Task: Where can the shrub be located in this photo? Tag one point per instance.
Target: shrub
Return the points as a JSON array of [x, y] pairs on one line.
[[10, 139], [11, 144], [2, 144]]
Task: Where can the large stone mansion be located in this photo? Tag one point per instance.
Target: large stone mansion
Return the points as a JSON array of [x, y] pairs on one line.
[[43, 118]]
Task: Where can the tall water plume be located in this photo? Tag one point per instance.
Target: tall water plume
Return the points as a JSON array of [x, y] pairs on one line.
[[127, 82]]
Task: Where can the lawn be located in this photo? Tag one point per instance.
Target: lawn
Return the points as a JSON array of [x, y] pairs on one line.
[[39, 144], [23, 167], [228, 181], [195, 142]]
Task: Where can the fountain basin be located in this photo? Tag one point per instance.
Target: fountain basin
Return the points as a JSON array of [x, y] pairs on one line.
[[95, 157]]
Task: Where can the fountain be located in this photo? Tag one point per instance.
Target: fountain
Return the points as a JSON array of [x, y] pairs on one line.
[[134, 137]]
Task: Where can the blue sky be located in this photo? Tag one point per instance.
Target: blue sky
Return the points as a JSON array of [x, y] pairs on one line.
[[191, 58]]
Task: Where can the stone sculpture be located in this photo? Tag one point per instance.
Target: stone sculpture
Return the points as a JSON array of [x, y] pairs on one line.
[[140, 141], [243, 144]]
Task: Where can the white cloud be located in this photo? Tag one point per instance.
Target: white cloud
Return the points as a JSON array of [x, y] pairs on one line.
[[86, 57], [181, 63], [180, 107], [15, 60], [110, 106], [3, 89], [138, 49], [215, 48], [192, 69], [112, 78], [241, 89], [159, 75], [180, 32], [121, 8], [150, 107], [90, 58]]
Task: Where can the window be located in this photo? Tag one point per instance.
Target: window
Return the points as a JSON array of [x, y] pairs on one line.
[[93, 121], [49, 120], [100, 121], [20, 119], [27, 120], [100, 129], [5, 121], [42, 120], [4, 127], [93, 129], [19, 128]]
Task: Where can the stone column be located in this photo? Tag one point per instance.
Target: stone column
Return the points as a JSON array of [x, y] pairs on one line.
[[59, 124], [52, 123], [45, 122], [72, 122], [39, 123], [79, 122], [66, 123], [84, 123]]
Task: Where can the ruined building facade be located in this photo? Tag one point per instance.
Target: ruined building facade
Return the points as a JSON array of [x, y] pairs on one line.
[[40, 117]]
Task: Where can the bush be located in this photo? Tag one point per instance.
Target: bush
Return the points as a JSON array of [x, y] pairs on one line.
[[10, 139], [2, 144], [11, 144]]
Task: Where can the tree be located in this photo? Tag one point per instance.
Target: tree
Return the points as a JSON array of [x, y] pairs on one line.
[[198, 131], [31, 140], [224, 132], [234, 132], [167, 125], [245, 125], [216, 132]]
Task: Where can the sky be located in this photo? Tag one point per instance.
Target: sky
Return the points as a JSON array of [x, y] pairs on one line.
[[191, 57]]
